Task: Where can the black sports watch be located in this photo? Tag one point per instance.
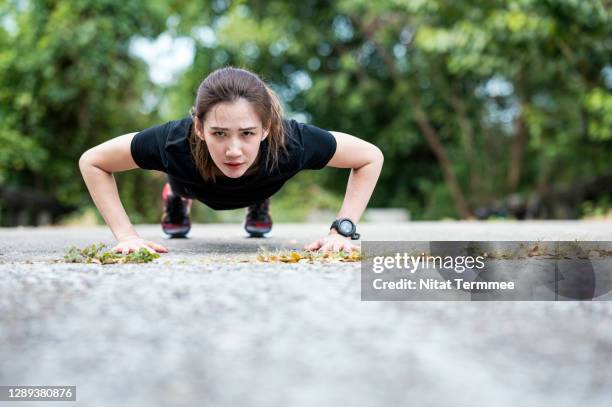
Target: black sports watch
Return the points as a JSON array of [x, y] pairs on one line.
[[345, 227]]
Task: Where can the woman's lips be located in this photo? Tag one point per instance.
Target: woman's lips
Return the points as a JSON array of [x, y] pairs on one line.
[[233, 165]]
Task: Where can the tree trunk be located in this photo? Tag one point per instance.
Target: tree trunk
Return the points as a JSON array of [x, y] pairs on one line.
[[447, 168], [467, 136], [516, 152]]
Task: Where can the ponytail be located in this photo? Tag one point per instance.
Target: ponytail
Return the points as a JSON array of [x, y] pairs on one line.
[[276, 136]]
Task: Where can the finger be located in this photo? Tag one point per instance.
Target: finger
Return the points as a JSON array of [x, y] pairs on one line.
[[334, 246], [347, 247], [158, 247], [314, 245], [326, 248], [147, 248], [119, 248]]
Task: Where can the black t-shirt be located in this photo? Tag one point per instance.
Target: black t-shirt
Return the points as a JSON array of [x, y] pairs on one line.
[[166, 148]]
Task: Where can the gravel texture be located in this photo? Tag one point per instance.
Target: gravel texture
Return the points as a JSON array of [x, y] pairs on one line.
[[206, 325]]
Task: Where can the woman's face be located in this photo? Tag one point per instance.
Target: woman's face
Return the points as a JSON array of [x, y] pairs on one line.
[[232, 132]]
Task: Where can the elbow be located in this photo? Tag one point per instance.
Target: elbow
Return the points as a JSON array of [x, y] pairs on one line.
[[373, 159], [379, 157], [84, 161]]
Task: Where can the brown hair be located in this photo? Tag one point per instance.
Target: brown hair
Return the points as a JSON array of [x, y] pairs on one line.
[[228, 85]]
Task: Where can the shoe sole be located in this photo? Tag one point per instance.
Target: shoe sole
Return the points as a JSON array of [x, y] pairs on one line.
[[176, 235], [168, 236], [254, 232]]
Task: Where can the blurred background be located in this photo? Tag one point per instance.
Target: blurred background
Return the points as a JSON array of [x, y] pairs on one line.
[[484, 109]]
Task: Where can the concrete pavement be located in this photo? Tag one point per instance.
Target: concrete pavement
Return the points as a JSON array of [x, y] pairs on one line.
[[204, 325]]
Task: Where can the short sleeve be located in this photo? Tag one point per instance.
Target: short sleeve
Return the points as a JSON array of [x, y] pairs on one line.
[[319, 146], [148, 148]]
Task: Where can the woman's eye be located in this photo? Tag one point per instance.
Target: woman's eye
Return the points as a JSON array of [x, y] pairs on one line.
[[218, 133], [248, 133]]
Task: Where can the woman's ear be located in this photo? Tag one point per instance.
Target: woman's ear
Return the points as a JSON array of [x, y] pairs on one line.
[[199, 127], [265, 134]]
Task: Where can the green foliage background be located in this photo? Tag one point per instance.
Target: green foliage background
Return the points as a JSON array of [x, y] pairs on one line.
[[470, 100]]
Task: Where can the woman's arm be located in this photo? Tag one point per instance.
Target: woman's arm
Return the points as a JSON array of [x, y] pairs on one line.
[[366, 161], [97, 167]]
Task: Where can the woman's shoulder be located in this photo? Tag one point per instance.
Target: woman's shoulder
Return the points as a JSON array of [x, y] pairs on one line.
[[177, 137], [291, 133], [295, 134], [178, 132], [177, 149], [311, 146], [299, 132]]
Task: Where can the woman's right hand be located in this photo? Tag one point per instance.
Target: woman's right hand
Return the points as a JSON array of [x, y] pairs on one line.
[[134, 243]]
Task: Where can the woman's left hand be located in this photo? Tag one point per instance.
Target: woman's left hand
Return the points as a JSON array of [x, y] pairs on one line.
[[333, 242]]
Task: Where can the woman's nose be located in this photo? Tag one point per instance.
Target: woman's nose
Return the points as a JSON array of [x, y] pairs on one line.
[[234, 149]]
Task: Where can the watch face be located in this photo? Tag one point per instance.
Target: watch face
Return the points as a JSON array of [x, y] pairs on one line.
[[345, 227]]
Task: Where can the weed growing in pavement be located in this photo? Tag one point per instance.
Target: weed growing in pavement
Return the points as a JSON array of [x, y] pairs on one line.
[[287, 256], [96, 254]]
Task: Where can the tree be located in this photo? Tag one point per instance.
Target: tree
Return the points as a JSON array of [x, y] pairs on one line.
[[67, 82], [470, 101]]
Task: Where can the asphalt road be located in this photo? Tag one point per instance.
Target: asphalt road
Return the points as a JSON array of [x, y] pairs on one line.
[[206, 325]]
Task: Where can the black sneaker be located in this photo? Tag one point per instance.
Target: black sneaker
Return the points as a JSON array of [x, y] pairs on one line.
[[175, 221], [258, 219]]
